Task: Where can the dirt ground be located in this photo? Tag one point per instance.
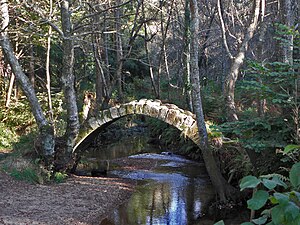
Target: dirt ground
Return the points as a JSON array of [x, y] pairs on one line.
[[79, 200]]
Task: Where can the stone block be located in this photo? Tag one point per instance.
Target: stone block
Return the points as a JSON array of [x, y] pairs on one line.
[[93, 123], [122, 110], [106, 116], [171, 116], [189, 121], [130, 107], [179, 120], [163, 112], [139, 107], [114, 112]]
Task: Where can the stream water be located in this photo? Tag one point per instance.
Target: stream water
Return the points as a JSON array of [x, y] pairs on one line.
[[175, 192]]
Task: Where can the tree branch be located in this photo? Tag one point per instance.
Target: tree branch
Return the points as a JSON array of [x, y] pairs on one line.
[[223, 30]]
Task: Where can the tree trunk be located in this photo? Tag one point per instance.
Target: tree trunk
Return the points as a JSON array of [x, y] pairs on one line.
[[119, 52], [261, 102], [10, 89], [31, 66], [64, 157], [222, 188], [289, 20], [237, 60], [46, 131], [186, 56], [148, 54], [48, 72]]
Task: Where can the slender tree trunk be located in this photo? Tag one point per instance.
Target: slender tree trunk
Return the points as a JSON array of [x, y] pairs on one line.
[[148, 54], [31, 66], [186, 56], [64, 157], [261, 102], [48, 65], [106, 74], [46, 131], [101, 87], [10, 89], [119, 52], [222, 188], [289, 20]]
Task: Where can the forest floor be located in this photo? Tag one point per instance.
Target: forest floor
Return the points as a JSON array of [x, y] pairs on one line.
[[79, 200]]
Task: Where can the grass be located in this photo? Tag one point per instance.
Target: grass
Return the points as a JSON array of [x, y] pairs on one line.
[[28, 174]]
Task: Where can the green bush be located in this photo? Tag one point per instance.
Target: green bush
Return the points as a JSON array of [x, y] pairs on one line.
[[7, 137], [279, 207], [60, 177]]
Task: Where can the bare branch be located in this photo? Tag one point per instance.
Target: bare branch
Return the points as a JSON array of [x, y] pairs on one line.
[[223, 30], [99, 12]]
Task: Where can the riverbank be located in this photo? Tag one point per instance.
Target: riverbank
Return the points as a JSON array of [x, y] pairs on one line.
[[79, 200]]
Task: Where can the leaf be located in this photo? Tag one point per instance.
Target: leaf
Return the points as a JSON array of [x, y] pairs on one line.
[[297, 194], [290, 148], [277, 215], [247, 223], [292, 210], [282, 198], [273, 200], [260, 220], [270, 184], [258, 200], [295, 175], [221, 222], [249, 182], [279, 181]]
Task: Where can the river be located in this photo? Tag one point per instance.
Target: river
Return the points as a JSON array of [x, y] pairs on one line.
[[177, 191]]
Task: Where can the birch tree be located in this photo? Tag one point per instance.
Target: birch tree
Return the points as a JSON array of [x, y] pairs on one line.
[[46, 131]]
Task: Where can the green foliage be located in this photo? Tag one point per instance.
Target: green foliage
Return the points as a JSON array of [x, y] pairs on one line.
[[249, 182], [295, 176], [28, 174], [289, 148], [213, 101], [25, 144], [285, 206], [172, 137], [18, 116], [259, 134], [220, 223], [59, 177], [258, 200], [7, 136]]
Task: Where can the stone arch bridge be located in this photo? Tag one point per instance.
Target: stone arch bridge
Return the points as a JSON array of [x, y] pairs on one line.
[[183, 120]]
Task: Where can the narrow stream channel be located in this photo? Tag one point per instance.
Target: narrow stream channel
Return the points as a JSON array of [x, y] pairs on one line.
[[175, 192]]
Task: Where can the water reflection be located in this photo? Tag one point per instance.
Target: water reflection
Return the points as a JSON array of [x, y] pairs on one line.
[[123, 148], [174, 194]]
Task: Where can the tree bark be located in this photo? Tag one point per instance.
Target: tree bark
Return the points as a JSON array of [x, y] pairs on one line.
[[187, 56], [64, 157], [48, 65], [289, 19], [31, 66], [148, 54], [221, 186], [119, 52], [46, 131], [237, 60]]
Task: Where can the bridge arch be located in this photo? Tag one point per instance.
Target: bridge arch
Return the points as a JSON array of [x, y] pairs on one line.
[[183, 120]]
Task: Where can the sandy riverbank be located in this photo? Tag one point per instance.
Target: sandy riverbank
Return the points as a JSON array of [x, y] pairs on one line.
[[79, 200]]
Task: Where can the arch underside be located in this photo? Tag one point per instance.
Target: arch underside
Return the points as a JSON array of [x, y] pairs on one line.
[[169, 113]]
